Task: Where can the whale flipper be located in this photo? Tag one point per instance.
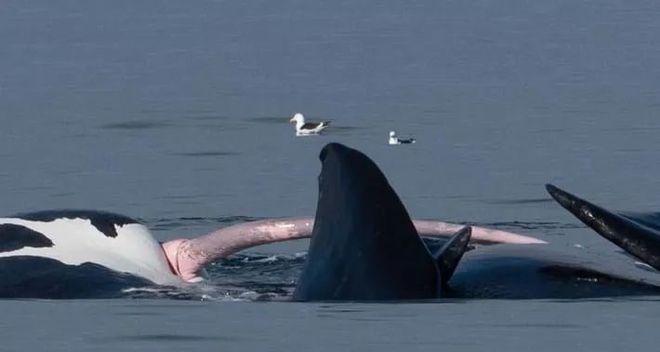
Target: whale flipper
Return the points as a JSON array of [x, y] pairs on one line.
[[364, 245], [636, 234], [450, 254]]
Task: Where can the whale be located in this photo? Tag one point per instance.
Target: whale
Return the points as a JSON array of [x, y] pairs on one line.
[[546, 272], [64, 254], [364, 247], [78, 254], [637, 233]]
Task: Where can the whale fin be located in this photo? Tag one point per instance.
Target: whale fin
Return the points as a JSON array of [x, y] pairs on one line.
[[631, 235], [450, 254], [651, 220], [364, 245]]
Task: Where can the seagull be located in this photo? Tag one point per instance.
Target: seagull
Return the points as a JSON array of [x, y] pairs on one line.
[[309, 128], [394, 140]]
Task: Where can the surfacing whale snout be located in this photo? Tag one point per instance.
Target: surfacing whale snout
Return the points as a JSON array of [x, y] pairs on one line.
[[364, 245]]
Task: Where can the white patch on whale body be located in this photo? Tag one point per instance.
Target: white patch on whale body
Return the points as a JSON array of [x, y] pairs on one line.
[[76, 241]]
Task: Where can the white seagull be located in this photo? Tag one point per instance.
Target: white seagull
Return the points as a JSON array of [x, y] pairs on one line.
[[307, 128], [394, 140]]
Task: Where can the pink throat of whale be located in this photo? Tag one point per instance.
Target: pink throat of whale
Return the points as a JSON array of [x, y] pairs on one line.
[[187, 257]]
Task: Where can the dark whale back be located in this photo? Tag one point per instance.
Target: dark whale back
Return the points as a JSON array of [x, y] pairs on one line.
[[364, 245], [543, 272], [38, 277]]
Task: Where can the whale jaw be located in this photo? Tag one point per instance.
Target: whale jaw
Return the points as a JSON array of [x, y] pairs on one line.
[[364, 245]]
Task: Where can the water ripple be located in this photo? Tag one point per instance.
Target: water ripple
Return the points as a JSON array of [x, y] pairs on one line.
[[136, 125], [207, 154]]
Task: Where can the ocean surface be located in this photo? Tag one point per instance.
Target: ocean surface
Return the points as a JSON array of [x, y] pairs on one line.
[[175, 112]]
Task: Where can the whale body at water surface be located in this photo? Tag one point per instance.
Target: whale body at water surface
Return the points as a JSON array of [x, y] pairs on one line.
[[95, 254], [364, 247], [77, 254]]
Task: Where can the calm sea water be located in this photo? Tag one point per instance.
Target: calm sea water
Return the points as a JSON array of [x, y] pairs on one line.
[[176, 113]]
